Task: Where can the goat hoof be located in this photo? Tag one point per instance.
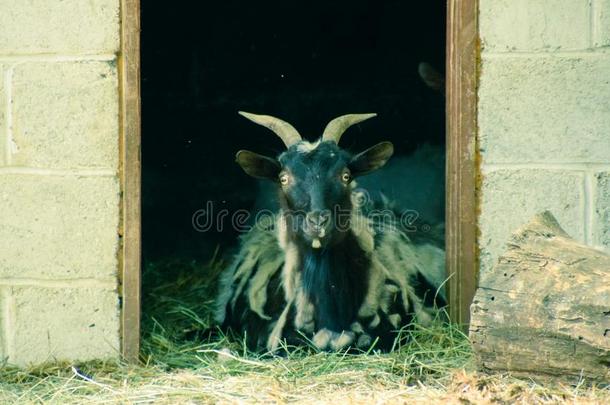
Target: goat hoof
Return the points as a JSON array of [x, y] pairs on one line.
[[342, 340], [364, 341], [322, 338], [326, 339]]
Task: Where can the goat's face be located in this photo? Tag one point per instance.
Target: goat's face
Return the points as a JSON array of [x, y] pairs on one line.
[[315, 182]]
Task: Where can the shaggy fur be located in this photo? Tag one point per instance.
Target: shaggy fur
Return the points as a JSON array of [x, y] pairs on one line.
[[376, 287]]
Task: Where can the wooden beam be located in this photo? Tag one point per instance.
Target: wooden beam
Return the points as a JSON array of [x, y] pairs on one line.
[[130, 172], [461, 209]]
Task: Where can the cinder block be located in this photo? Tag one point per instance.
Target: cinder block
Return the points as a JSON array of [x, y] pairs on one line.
[[67, 26], [531, 25], [545, 109], [510, 198], [65, 115], [56, 227], [601, 215], [3, 107], [64, 324], [601, 15]]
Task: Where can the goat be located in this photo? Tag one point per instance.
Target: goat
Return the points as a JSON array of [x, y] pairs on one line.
[[323, 268]]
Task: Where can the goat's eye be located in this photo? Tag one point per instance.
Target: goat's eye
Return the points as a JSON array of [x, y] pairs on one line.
[[346, 177], [284, 179]]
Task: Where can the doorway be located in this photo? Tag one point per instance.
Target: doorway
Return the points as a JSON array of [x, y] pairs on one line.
[[305, 63]]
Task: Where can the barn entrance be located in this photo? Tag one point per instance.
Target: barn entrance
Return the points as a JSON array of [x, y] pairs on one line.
[[306, 64]]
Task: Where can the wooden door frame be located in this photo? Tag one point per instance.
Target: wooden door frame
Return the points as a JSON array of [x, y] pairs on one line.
[[462, 62], [131, 184], [461, 165]]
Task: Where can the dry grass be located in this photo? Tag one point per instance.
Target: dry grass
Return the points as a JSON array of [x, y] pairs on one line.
[[435, 366]]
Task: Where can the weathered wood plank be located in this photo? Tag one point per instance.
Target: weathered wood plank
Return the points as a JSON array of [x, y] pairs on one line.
[[461, 172], [130, 170]]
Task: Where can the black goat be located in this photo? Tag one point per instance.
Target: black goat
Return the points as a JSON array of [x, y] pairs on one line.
[[329, 266]]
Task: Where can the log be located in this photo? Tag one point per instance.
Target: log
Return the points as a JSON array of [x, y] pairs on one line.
[[544, 309]]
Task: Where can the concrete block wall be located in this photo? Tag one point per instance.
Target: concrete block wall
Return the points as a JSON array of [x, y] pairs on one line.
[[59, 185], [544, 118]]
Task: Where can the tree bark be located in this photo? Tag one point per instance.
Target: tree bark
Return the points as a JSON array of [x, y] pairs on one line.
[[544, 309]]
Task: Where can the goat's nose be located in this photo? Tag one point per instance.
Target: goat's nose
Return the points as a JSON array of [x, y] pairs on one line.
[[318, 219]]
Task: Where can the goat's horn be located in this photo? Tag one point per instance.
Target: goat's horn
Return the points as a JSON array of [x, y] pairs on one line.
[[284, 130], [339, 125]]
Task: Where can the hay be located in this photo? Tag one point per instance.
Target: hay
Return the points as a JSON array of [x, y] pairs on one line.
[[178, 367]]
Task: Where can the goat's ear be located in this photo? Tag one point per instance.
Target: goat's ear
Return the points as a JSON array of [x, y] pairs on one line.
[[432, 77], [259, 166], [371, 159]]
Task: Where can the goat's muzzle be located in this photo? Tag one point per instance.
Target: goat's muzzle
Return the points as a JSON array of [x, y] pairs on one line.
[[317, 224]]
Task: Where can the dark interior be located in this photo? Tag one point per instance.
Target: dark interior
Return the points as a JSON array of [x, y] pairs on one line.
[[305, 62]]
